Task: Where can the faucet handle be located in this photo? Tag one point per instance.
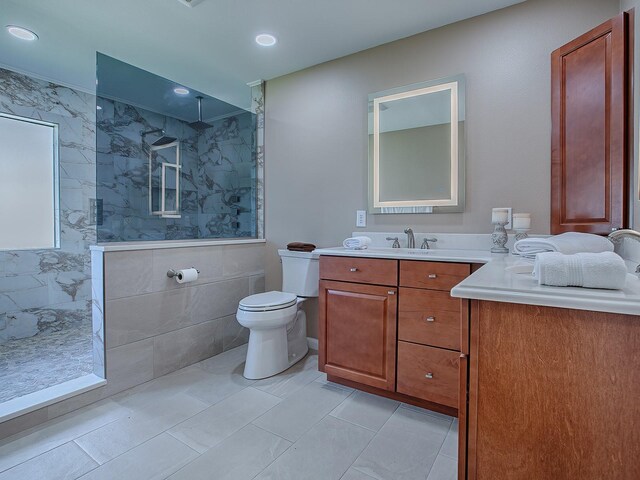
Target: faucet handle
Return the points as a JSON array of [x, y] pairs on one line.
[[396, 243], [425, 242]]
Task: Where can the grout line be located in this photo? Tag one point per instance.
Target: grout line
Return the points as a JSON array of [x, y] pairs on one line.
[[56, 420], [186, 287], [373, 438], [275, 459], [269, 431]]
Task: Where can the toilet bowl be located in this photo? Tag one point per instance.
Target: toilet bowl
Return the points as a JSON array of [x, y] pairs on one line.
[[276, 322]]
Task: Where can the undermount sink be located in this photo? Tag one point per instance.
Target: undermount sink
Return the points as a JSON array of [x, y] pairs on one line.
[[419, 252]]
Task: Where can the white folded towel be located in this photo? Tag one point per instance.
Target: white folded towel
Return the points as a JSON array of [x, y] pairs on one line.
[[357, 243], [589, 270], [567, 243]]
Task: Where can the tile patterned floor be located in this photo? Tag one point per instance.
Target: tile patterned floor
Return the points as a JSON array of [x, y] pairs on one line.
[[206, 421], [31, 364]]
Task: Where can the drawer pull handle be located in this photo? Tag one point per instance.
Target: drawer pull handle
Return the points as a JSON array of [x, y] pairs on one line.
[[429, 375], [353, 269], [391, 292], [432, 275], [431, 319]]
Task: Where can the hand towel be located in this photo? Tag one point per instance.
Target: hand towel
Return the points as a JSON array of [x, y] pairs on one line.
[[590, 270], [301, 247], [567, 243], [357, 243]]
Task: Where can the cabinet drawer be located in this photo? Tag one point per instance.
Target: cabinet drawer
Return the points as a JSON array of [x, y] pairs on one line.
[[359, 270], [437, 328], [428, 373], [420, 300], [433, 275]]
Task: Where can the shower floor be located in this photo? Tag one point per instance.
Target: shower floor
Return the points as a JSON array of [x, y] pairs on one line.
[[32, 364]]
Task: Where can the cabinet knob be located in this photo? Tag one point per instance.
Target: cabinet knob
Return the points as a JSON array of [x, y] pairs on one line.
[[429, 375], [432, 275], [353, 269], [430, 319]]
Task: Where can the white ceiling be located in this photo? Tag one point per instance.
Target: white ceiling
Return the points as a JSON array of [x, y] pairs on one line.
[[211, 47]]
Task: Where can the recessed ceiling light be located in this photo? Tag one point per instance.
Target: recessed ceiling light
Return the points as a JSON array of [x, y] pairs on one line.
[[181, 91], [22, 33], [266, 40]]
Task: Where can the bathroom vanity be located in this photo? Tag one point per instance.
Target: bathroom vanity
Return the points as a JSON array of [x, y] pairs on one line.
[[531, 371]]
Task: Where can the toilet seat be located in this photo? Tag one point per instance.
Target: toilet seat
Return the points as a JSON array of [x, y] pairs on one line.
[[267, 302]]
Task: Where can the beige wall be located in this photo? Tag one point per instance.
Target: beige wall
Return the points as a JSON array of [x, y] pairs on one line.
[[316, 124]]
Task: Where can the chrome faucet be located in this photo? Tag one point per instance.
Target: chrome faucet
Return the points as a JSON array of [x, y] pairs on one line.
[[411, 240], [617, 236], [425, 243]]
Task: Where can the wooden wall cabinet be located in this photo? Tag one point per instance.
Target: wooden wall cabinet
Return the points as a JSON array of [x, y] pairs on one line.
[[590, 130]]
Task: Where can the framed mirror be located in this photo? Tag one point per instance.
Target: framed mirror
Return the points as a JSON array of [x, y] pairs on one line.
[[416, 148]]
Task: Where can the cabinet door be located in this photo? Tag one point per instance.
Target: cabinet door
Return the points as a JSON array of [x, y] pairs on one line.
[[357, 333], [590, 128]]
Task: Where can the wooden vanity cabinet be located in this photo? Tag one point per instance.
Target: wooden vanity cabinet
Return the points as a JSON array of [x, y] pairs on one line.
[[392, 325], [553, 394]]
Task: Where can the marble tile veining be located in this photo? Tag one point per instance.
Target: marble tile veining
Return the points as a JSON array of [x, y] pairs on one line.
[[218, 176], [45, 295]]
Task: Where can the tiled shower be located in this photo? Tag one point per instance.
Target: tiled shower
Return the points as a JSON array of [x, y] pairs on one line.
[[218, 176], [45, 294], [48, 332]]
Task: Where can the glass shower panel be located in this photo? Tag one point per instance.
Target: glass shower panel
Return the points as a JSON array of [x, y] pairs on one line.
[[162, 173]]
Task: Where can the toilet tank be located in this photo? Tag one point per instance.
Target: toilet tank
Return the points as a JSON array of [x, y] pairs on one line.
[[300, 273]]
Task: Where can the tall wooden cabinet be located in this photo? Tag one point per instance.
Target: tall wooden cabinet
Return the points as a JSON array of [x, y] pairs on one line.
[[590, 130]]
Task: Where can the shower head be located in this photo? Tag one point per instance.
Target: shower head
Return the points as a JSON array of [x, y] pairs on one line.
[[199, 124], [163, 140]]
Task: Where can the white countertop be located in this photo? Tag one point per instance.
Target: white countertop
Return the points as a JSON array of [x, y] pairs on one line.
[[492, 282]]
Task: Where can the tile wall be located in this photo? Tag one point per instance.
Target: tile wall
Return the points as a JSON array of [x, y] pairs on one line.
[[47, 291], [153, 324], [218, 189]]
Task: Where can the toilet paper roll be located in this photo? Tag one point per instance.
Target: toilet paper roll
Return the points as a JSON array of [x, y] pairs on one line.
[[186, 275]]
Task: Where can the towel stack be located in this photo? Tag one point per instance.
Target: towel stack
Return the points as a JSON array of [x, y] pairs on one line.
[[567, 243], [357, 243], [301, 247], [589, 270]]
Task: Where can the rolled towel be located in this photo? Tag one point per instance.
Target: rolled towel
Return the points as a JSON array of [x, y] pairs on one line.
[[301, 247], [357, 243], [567, 243], [589, 270]]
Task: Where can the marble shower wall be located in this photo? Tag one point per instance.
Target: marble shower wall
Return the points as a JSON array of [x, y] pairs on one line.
[[218, 176], [50, 290]]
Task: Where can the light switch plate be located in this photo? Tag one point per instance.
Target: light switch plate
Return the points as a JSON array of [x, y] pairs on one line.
[[361, 218], [509, 217]]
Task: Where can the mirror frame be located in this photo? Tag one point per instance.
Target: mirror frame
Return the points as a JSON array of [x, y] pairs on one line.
[[454, 204]]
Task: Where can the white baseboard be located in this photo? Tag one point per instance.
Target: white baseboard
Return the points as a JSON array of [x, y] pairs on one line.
[[313, 343]]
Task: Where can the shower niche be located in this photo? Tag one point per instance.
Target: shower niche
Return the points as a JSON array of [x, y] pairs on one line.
[[164, 180]]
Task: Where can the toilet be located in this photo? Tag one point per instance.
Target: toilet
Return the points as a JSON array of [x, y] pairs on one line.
[[276, 322]]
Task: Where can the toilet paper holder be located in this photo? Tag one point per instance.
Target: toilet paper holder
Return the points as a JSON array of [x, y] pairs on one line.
[[173, 272]]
